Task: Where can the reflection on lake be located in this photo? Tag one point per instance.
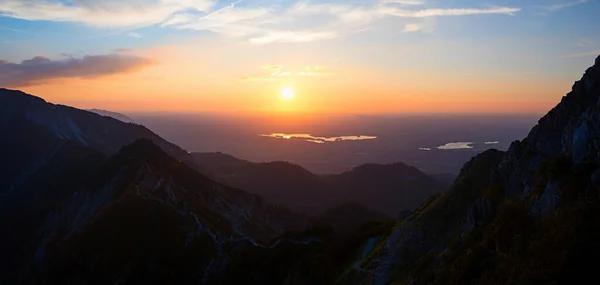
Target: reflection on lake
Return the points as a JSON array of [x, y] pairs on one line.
[[319, 140], [456, 145]]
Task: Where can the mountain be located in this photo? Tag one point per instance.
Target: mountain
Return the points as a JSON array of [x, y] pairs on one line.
[[82, 209], [20, 111], [145, 210], [86, 192], [348, 218], [525, 216], [388, 189], [121, 117]]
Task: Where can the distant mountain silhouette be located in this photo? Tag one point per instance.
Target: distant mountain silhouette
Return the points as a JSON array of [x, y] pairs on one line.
[[384, 188], [121, 117]]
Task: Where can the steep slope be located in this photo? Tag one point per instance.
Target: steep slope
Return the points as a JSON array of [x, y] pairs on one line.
[[145, 210], [384, 188], [527, 216], [104, 134], [47, 152]]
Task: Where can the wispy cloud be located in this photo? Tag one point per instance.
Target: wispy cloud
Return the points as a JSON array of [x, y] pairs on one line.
[[560, 6], [412, 27], [277, 71], [101, 13], [134, 35], [276, 22], [40, 69], [449, 12], [404, 2]]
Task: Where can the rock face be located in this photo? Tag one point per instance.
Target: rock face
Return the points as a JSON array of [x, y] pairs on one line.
[[570, 127], [522, 197]]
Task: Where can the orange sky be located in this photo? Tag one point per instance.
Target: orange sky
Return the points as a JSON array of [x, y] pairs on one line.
[[175, 82]]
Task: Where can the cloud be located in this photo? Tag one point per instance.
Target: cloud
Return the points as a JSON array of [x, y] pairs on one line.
[[449, 12], [278, 71], [40, 69], [101, 13], [560, 6], [404, 2], [134, 35], [272, 67], [257, 78], [266, 23], [412, 27], [292, 37]]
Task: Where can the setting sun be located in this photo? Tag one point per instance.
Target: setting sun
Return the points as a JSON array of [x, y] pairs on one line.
[[287, 93]]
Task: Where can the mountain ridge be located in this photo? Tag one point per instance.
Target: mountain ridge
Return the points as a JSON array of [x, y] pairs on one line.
[[507, 210], [388, 188]]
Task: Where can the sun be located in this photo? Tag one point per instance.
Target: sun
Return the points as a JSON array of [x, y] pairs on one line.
[[287, 93]]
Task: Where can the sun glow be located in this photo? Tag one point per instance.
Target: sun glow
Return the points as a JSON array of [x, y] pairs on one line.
[[287, 93]]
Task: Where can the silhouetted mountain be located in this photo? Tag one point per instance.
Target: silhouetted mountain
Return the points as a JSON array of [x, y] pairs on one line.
[[72, 209], [121, 117], [389, 188], [104, 134], [349, 217], [145, 210], [384, 188], [526, 216]]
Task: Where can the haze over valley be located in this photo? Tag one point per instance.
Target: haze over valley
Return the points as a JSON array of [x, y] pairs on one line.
[[418, 140]]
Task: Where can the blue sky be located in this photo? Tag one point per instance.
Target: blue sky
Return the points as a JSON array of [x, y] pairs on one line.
[[551, 40]]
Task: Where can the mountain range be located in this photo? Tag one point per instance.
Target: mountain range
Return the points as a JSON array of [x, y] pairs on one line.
[[90, 199], [85, 193], [388, 189]]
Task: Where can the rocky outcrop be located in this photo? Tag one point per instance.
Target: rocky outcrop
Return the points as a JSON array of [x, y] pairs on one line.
[[552, 167]]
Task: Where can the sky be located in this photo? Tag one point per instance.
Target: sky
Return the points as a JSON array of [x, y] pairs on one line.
[[358, 57]]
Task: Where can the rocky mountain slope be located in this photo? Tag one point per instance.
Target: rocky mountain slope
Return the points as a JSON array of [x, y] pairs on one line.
[[527, 216], [388, 189], [69, 188], [145, 210]]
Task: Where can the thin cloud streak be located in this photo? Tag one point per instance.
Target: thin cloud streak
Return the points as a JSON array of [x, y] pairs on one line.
[[557, 7], [278, 71]]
